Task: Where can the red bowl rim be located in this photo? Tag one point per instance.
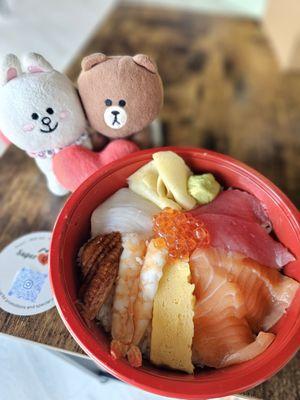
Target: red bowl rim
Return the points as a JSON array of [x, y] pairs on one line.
[[143, 379]]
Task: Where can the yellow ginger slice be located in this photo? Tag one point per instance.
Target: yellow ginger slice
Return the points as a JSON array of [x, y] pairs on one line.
[[164, 181], [174, 173], [146, 182]]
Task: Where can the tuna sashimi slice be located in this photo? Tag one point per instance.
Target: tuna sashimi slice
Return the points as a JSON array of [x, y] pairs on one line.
[[266, 292], [222, 335], [236, 203], [248, 238]]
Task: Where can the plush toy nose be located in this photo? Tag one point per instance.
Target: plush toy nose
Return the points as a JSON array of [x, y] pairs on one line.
[[115, 113], [46, 120]]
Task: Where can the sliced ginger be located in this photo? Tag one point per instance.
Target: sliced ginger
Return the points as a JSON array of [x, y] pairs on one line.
[[164, 181]]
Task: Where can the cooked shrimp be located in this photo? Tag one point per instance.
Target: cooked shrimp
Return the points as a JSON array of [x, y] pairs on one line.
[[151, 272], [127, 288], [118, 349], [134, 357]]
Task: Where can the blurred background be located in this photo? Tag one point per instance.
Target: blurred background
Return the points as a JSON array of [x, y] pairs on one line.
[[231, 74], [230, 68]]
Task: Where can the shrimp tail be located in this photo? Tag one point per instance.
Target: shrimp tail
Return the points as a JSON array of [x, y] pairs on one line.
[[118, 349], [134, 357]]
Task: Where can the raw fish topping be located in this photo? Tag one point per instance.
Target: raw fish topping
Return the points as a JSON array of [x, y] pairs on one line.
[[236, 203], [237, 221], [125, 212], [222, 335], [267, 293], [248, 238]]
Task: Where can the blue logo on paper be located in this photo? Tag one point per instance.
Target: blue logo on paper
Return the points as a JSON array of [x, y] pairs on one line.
[[27, 284]]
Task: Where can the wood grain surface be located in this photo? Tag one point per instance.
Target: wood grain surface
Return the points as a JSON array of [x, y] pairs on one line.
[[223, 91], [26, 206]]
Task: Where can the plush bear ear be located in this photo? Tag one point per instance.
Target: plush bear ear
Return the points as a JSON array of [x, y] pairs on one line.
[[90, 61], [10, 69], [33, 63], [146, 62]]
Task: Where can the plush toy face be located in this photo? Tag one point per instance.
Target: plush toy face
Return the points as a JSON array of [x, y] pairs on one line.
[[39, 107], [121, 95]]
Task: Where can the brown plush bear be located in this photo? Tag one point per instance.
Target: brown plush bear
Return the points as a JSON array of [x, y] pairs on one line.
[[121, 95]]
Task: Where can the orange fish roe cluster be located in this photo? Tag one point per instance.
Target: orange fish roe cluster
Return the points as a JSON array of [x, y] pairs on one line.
[[181, 233]]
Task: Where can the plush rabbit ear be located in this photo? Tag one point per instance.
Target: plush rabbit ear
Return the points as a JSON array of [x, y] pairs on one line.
[[33, 62], [146, 62], [90, 61], [9, 69]]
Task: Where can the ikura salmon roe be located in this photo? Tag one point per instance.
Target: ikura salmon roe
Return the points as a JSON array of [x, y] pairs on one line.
[[181, 233]]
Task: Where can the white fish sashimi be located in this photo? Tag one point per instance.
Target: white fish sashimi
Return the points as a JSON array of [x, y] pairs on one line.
[[124, 212]]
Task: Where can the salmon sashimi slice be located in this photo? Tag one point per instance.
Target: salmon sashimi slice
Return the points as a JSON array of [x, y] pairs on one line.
[[222, 335], [267, 292], [261, 343]]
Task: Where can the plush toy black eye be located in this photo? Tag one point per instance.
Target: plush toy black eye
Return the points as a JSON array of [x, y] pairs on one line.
[[122, 103], [108, 102], [34, 116], [50, 110]]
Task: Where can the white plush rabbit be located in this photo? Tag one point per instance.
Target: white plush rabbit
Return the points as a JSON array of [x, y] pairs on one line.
[[40, 111]]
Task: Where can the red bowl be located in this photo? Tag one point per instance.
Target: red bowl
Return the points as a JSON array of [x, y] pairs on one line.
[[72, 230]]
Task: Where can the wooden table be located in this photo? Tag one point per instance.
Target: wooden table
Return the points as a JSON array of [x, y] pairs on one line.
[[223, 91]]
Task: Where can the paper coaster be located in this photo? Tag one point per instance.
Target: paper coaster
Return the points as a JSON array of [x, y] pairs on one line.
[[24, 283]]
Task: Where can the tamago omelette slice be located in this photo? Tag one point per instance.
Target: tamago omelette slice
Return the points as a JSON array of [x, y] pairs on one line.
[[172, 322]]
